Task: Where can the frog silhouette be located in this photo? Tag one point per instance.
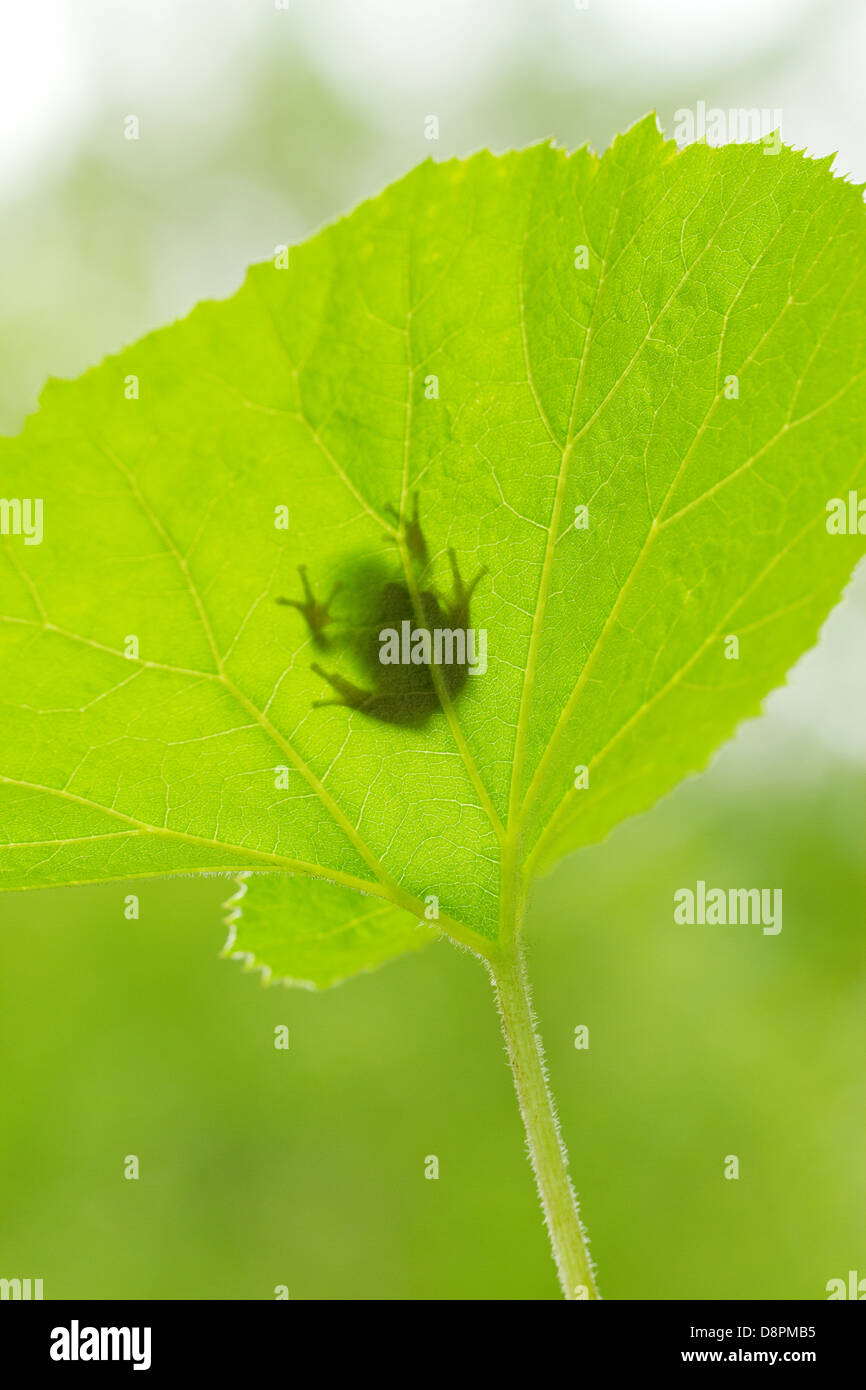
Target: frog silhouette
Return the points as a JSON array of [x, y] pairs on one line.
[[400, 691]]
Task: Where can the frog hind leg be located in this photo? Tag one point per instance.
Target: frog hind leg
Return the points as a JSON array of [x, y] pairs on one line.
[[352, 695], [409, 708]]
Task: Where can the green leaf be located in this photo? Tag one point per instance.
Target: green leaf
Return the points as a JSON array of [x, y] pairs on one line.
[[315, 934], [565, 380]]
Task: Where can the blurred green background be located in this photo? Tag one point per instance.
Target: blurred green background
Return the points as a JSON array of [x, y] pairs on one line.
[[306, 1168]]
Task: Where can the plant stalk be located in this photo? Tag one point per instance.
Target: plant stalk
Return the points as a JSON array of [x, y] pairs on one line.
[[546, 1150]]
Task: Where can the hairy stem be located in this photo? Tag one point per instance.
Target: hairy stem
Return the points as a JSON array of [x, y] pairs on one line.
[[546, 1149]]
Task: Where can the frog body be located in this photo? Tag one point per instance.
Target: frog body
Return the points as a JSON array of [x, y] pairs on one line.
[[400, 691]]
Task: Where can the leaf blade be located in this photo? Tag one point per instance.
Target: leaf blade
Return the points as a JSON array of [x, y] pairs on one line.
[[559, 386], [315, 935]]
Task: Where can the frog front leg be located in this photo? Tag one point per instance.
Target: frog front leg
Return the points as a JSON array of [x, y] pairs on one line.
[[317, 615]]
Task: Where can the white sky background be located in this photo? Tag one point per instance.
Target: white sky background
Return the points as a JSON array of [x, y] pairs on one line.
[[63, 62]]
